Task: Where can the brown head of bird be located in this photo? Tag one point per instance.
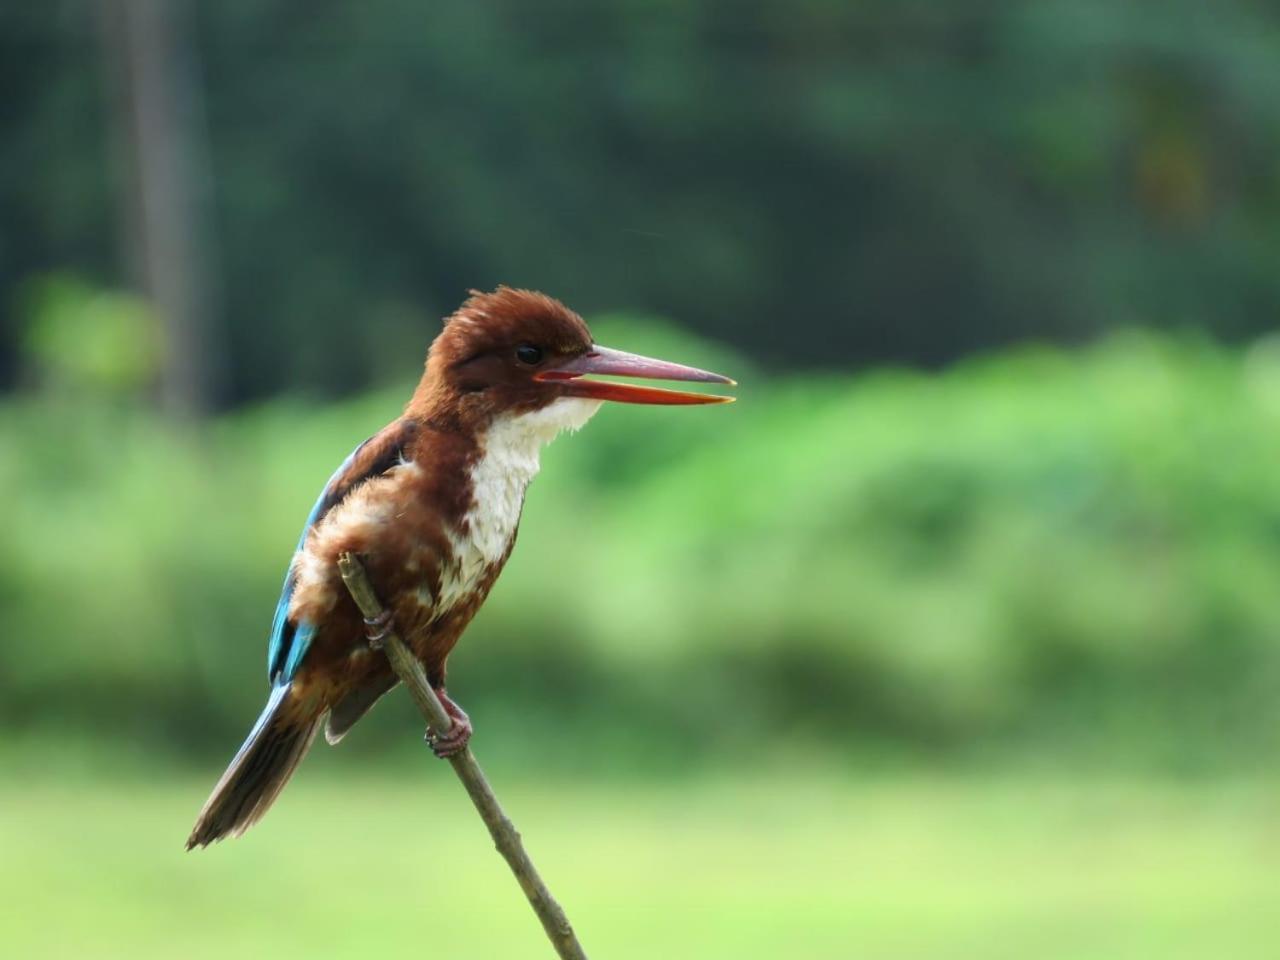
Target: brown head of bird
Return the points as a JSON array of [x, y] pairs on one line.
[[518, 351]]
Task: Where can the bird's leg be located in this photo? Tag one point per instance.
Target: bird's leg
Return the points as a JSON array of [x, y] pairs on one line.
[[377, 628], [455, 740]]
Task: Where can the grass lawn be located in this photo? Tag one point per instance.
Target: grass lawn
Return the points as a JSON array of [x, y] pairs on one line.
[[811, 868]]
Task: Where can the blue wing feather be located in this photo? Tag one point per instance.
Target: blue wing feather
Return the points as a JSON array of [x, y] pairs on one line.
[[289, 641]]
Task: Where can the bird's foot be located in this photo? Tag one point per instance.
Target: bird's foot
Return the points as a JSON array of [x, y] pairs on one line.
[[377, 628], [455, 740]]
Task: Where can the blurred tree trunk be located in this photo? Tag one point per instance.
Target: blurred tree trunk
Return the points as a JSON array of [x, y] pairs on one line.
[[159, 123]]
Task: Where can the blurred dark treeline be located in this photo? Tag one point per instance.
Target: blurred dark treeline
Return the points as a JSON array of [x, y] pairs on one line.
[[817, 183]]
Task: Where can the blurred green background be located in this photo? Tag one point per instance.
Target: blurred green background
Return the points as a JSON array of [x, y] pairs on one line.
[[957, 636]]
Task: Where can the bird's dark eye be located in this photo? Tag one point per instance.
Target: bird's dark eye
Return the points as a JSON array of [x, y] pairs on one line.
[[529, 354]]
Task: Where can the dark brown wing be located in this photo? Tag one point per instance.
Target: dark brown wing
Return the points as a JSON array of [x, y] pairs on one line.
[[380, 453]]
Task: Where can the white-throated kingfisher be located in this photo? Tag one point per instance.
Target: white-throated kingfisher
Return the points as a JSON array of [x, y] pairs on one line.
[[430, 504]]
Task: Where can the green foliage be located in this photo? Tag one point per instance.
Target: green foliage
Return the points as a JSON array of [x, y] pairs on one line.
[[83, 339], [1077, 548]]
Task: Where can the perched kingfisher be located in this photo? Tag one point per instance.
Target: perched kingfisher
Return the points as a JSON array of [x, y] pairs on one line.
[[431, 504]]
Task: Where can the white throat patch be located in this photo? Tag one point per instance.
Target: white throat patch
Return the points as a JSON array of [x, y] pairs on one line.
[[508, 461]]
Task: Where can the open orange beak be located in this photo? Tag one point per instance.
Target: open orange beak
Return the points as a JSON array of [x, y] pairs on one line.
[[605, 362]]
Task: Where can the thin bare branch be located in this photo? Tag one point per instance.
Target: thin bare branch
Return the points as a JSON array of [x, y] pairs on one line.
[[505, 836]]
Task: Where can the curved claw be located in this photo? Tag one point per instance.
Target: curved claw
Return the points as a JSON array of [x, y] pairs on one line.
[[377, 628], [456, 738], [451, 743]]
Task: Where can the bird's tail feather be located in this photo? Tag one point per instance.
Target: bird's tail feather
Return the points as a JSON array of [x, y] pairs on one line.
[[274, 748], [344, 713]]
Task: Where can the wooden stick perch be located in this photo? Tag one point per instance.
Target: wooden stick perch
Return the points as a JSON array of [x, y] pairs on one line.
[[505, 836]]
